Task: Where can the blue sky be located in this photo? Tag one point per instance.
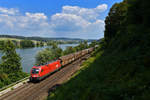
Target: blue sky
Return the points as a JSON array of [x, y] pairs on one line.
[[52, 18]]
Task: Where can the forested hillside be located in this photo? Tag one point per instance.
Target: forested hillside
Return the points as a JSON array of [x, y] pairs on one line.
[[119, 69]]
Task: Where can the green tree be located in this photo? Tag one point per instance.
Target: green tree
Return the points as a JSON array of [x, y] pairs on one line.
[[82, 45], [85, 44], [54, 45], [114, 20], [69, 50], [1, 44], [4, 79], [37, 44], [41, 43], [93, 43], [16, 43], [10, 59], [44, 56], [57, 52], [48, 55], [26, 44]]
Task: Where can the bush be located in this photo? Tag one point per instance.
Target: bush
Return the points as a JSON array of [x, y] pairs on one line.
[[48, 55], [27, 44], [44, 57]]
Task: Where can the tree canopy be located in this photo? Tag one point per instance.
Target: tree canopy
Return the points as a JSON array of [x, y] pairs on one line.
[[27, 43], [10, 66], [48, 54], [11, 61]]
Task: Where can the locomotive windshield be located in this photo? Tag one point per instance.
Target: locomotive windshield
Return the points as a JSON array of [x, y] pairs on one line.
[[35, 71]]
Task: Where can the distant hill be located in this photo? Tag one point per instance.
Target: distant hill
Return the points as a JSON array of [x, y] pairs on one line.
[[45, 38]]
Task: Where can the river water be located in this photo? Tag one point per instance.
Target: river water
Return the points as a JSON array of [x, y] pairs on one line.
[[28, 55]]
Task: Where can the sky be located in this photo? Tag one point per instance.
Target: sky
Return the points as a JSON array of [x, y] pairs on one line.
[[55, 18]]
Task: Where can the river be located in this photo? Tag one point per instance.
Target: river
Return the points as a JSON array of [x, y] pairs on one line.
[[28, 55]]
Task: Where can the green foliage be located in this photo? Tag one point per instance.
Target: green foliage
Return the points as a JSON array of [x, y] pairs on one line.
[[94, 43], [4, 80], [69, 50], [10, 67], [48, 55], [44, 56], [114, 20], [41, 43], [1, 44], [58, 52], [81, 46], [16, 43], [121, 69], [10, 60], [49, 43], [27, 43], [54, 46], [37, 44]]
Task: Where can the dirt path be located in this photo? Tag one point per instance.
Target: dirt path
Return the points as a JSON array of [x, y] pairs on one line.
[[39, 91]]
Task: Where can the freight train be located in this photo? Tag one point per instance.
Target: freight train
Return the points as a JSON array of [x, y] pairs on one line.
[[40, 72]]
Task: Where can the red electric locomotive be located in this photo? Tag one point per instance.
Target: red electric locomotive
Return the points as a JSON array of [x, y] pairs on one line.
[[40, 72]]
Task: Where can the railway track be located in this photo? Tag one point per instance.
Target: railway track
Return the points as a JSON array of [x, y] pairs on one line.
[[39, 91]]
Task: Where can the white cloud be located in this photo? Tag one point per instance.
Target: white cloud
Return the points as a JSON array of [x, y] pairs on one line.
[[11, 11], [36, 16], [73, 21], [7, 21], [101, 8], [67, 22], [28, 24], [88, 13]]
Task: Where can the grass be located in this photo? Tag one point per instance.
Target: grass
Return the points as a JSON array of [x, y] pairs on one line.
[[15, 39], [10, 39]]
